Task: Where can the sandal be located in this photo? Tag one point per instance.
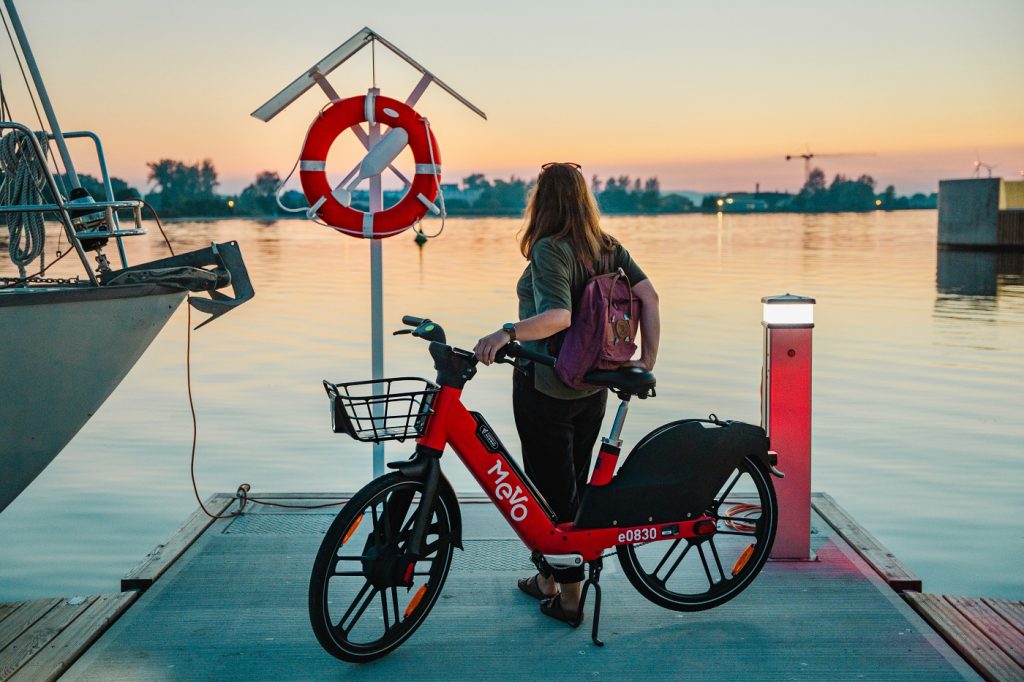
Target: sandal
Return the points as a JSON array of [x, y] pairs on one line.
[[553, 607], [531, 587]]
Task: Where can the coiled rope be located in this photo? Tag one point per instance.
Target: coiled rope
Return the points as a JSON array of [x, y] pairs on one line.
[[23, 179]]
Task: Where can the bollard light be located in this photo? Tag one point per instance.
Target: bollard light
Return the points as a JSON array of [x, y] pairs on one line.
[[786, 415], [788, 311]]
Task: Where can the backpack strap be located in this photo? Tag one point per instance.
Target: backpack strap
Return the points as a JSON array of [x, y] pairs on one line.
[[606, 266]]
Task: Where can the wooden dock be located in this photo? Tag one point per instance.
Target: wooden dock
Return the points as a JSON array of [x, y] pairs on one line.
[[989, 633], [895, 574], [39, 639], [227, 599]]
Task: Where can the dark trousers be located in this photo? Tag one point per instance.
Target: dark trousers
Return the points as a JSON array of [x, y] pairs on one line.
[[558, 438]]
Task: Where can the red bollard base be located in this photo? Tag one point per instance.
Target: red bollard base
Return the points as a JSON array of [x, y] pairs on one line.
[[787, 406]]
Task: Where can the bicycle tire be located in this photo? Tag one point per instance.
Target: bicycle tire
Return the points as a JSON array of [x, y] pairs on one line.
[[373, 566], [749, 559]]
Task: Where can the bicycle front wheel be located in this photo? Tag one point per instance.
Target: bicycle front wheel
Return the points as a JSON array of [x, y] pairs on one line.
[[366, 595], [693, 574]]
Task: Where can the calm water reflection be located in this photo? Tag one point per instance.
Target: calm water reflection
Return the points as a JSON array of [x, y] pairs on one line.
[[980, 273], [919, 365]]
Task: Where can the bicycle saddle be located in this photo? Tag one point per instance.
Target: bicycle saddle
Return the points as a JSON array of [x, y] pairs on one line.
[[628, 380]]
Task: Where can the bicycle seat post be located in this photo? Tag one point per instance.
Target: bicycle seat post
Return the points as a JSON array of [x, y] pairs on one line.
[[620, 419], [611, 445]]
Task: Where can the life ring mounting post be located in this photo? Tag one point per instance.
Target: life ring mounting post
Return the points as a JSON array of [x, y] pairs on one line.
[[375, 109]]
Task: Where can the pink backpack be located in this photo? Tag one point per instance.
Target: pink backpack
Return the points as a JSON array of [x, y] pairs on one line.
[[603, 330]]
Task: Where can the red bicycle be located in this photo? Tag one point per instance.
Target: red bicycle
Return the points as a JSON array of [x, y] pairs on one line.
[[691, 512]]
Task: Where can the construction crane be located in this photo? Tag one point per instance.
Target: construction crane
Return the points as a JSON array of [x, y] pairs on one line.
[[807, 156]]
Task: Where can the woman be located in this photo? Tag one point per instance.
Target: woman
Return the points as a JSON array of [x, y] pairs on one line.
[[558, 426]]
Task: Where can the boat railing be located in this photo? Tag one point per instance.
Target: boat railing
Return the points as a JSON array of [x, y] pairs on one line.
[[79, 227]]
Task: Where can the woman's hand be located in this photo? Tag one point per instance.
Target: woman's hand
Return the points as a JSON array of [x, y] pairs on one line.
[[488, 346], [641, 363]]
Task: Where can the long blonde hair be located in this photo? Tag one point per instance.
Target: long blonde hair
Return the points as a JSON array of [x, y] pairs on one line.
[[561, 207]]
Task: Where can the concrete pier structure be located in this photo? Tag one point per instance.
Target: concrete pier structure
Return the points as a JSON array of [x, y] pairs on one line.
[[985, 213]]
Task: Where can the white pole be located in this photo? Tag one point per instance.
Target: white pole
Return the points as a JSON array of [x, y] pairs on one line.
[[376, 296]]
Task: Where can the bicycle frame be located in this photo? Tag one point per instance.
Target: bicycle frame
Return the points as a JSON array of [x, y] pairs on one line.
[[515, 496], [388, 557]]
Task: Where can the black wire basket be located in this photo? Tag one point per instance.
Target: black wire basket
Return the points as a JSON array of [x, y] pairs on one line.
[[385, 409]]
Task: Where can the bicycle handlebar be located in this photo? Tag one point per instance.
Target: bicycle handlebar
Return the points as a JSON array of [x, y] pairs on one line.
[[514, 350], [433, 332]]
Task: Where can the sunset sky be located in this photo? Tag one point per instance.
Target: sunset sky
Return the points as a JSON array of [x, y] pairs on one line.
[[707, 96]]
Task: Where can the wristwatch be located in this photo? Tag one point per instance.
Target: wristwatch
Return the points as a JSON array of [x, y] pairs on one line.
[[510, 329]]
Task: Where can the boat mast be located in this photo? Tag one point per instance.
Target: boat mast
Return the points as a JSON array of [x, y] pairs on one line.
[[37, 78]]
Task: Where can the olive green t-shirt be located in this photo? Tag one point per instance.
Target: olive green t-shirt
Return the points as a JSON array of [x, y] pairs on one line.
[[555, 279]]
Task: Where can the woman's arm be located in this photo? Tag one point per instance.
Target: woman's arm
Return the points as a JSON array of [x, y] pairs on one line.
[[650, 325], [547, 323]]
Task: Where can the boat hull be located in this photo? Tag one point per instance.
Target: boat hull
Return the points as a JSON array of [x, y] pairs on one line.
[[64, 351]]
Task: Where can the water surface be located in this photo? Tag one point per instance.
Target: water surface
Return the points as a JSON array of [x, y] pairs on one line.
[[918, 428]]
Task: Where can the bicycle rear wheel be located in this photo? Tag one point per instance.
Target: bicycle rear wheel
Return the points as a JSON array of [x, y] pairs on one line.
[[364, 558], [693, 574]]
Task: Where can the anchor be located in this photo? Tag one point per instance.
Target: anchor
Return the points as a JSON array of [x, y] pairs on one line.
[[187, 271]]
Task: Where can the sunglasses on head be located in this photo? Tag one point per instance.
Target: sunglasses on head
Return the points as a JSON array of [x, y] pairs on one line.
[[570, 164]]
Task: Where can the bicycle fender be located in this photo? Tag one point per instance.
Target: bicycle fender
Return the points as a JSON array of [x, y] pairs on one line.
[[673, 473], [767, 457], [414, 470], [445, 490], [416, 467]]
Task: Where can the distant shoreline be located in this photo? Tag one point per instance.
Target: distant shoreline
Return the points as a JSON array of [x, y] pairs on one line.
[[519, 214]]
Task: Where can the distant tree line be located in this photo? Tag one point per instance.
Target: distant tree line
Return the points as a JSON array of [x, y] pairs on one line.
[[180, 189], [94, 186], [844, 194], [817, 196], [479, 196]]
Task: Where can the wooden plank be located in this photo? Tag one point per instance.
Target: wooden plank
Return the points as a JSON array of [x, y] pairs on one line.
[[302, 496], [65, 648], [884, 562], [992, 625], [7, 608], [167, 552], [283, 502], [1012, 611], [22, 619], [473, 498], [469, 498], [42, 632], [982, 653]]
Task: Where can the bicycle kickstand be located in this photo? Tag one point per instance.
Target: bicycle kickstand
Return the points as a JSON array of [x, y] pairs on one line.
[[593, 578]]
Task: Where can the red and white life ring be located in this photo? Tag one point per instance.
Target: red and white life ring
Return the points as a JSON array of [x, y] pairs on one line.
[[336, 119]]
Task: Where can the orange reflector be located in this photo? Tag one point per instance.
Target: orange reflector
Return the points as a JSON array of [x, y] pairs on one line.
[[415, 601], [742, 561], [352, 529]]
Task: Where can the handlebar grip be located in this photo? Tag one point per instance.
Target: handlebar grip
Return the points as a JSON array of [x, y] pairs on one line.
[[514, 350], [412, 321]]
